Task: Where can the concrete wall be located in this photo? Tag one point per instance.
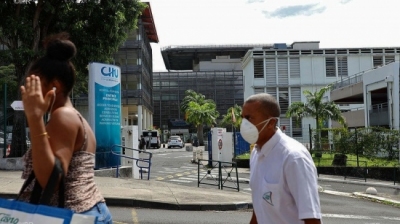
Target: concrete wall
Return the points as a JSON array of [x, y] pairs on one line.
[[353, 119], [306, 45], [376, 79], [248, 79], [220, 65], [347, 91]]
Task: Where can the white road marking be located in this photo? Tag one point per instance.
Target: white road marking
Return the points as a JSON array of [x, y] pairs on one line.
[[186, 178], [182, 181], [166, 171], [343, 216]]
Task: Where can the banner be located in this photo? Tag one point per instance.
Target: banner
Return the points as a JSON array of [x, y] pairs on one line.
[[105, 111]]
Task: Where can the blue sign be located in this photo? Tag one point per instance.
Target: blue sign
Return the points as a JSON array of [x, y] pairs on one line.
[[105, 111]]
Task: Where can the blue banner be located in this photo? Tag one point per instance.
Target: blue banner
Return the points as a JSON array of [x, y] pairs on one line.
[[105, 111]]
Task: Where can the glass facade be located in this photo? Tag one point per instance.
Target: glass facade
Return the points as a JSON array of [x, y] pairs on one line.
[[224, 87], [135, 59]]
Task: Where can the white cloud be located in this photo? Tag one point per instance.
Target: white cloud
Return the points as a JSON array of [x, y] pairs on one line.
[[296, 10]]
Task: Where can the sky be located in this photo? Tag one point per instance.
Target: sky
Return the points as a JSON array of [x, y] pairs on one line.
[[335, 23]]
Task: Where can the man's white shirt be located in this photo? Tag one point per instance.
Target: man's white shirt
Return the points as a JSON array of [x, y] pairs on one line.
[[284, 182]]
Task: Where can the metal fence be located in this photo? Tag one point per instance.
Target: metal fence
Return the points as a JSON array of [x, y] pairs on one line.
[[142, 163], [221, 174]]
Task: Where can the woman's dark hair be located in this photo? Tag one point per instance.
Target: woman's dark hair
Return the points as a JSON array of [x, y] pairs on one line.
[[56, 63]]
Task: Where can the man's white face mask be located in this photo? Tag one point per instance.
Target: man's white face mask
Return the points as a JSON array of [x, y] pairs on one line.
[[249, 131]]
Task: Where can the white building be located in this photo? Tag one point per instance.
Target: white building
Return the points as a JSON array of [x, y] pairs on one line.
[[378, 90], [285, 71]]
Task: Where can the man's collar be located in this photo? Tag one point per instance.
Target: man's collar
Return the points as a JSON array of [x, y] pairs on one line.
[[271, 143]]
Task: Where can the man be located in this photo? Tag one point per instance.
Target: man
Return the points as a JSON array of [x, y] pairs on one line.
[[283, 177], [142, 143]]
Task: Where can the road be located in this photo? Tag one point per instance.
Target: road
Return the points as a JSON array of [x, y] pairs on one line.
[[335, 209], [174, 166]]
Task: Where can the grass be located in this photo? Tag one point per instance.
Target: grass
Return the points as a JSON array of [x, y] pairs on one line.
[[326, 160]]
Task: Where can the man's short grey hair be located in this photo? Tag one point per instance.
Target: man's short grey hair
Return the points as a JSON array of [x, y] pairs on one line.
[[269, 104]]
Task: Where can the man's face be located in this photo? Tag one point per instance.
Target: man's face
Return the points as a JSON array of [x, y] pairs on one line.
[[254, 113]]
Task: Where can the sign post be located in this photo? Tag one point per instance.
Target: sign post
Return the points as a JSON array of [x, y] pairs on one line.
[[17, 105], [105, 112]]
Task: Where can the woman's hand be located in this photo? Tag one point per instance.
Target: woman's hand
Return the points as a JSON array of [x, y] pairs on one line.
[[35, 106]]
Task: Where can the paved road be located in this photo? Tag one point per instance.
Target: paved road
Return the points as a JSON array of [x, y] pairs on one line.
[[335, 209], [176, 167]]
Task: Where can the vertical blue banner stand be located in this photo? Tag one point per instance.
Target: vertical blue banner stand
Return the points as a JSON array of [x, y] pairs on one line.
[[105, 111]]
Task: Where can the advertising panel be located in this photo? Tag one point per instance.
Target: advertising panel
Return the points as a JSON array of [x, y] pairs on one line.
[[105, 111]]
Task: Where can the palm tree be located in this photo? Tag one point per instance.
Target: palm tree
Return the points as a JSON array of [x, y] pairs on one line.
[[192, 96], [232, 117], [199, 111], [315, 107]]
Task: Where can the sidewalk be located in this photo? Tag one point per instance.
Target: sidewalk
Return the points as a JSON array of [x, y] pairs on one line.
[[148, 194], [163, 195]]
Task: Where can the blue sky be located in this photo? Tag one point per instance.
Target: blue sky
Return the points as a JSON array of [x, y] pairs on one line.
[[335, 23]]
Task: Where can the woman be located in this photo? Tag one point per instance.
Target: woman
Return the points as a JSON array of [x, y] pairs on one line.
[[66, 136]]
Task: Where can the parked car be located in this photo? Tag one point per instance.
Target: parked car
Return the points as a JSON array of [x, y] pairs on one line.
[[175, 141], [152, 138]]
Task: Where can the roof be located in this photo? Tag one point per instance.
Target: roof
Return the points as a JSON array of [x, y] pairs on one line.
[[149, 25], [182, 57]]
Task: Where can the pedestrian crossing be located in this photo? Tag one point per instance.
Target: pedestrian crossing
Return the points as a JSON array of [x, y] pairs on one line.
[[184, 174], [187, 173], [172, 156]]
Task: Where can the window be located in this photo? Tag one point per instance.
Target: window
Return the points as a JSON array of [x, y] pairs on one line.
[[295, 94], [271, 91], [270, 71], [294, 67], [330, 67], [378, 61], [258, 90], [283, 99], [283, 77], [342, 67], [389, 59], [258, 68], [296, 128]]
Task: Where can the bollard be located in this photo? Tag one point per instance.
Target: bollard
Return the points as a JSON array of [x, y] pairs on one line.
[[200, 154], [194, 156]]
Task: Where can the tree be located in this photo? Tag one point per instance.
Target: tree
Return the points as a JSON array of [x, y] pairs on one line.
[[97, 28], [7, 76], [199, 111], [317, 108], [192, 96], [200, 114], [232, 117]]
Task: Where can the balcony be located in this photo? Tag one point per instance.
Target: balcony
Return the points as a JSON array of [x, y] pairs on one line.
[[354, 118], [348, 91]]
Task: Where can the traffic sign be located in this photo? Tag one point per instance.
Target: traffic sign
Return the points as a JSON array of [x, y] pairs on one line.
[[17, 105], [220, 144]]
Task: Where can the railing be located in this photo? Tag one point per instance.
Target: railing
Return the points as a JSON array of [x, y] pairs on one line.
[[356, 78], [141, 163], [216, 46], [378, 107], [341, 167], [396, 175], [359, 172], [216, 178], [348, 81]]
